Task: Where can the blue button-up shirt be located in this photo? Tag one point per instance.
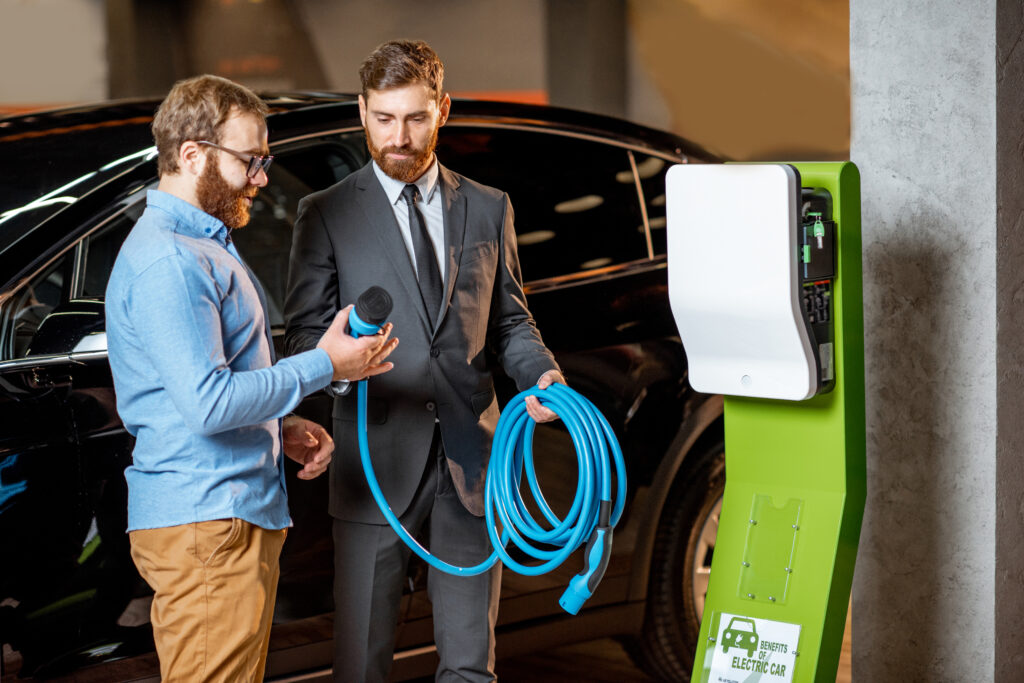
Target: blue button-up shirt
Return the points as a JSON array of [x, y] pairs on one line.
[[194, 372]]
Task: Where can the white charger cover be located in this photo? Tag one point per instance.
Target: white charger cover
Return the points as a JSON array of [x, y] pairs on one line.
[[733, 281]]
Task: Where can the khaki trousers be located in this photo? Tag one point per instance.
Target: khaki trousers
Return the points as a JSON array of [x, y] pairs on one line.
[[215, 584]]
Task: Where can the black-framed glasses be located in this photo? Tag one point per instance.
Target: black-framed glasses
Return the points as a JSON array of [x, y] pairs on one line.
[[255, 163]]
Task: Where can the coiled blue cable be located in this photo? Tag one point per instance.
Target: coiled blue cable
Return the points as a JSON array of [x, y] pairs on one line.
[[591, 516]]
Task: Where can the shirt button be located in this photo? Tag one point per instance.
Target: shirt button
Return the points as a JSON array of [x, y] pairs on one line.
[[430, 406], [435, 352]]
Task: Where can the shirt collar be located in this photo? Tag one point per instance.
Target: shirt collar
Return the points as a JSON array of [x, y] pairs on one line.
[[426, 183], [189, 220]]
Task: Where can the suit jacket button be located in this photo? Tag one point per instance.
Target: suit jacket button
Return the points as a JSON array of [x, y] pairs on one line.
[[435, 352], [430, 406]]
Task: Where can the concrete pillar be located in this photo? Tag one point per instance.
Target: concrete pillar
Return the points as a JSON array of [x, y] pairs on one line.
[[1009, 298], [586, 45], [938, 114], [146, 50]]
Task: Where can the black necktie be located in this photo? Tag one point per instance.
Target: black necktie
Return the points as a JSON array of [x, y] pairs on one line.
[[426, 261]]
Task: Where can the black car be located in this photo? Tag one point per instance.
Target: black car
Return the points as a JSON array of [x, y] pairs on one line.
[[589, 196]]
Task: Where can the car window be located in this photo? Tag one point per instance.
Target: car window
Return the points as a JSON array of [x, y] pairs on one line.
[[56, 284], [575, 200], [266, 241], [101, 249], [575, 203], [45, 156], [652, 172], [22, 315]]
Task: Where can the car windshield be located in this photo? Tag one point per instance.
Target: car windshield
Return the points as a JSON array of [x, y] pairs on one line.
[[48, 161]]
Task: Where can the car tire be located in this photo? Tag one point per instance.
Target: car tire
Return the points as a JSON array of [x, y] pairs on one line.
[[680, 567]]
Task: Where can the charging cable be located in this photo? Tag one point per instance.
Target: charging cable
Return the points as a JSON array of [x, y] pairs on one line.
[[592, 515]]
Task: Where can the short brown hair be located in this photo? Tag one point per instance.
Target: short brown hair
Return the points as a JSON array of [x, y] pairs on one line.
[[400, 62], [196, 109]]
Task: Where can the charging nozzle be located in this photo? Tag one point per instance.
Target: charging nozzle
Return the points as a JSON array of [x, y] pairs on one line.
[[372, 308], [596, 556]]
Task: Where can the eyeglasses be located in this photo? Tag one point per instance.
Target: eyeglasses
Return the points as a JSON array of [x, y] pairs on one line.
[[255, 163]]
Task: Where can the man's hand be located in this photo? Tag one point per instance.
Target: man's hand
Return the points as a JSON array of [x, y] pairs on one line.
[[354, 359], [308, 444], [533, 406]]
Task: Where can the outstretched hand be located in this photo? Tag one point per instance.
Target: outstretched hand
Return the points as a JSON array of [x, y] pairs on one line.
[[534, 408], [353, 359], [308, 444]]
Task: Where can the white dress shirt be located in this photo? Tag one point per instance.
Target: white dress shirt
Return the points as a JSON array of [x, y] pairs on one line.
[[430, 206]]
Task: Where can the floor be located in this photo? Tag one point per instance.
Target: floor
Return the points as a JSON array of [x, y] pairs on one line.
[[603, 661], [598, 661]]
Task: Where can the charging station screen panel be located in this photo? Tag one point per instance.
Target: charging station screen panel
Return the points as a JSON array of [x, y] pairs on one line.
[[733, 279]]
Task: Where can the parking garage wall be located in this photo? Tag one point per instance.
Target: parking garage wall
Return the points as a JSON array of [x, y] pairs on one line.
[[53, 53]]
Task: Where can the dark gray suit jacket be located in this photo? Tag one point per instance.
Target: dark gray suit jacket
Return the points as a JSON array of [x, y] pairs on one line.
[[346, 240]]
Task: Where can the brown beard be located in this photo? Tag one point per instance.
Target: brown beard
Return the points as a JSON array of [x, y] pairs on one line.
[[222, 201], [404, 170]]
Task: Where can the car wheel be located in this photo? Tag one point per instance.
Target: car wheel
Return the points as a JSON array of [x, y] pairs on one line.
[[681, 569]]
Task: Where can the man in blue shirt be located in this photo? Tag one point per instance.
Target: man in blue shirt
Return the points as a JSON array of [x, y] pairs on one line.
[[197, 385]]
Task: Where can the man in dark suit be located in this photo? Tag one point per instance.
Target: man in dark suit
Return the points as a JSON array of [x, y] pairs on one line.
[[444, 247]]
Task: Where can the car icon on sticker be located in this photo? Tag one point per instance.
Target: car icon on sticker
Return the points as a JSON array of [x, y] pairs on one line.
[[741, 633]]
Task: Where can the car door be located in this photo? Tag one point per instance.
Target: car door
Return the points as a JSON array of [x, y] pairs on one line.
[[70, 579]]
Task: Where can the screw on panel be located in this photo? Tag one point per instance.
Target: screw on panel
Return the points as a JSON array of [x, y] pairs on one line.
[[711, 640], [789, 570], [746, 564], [795, 653], [796, 527], [750, 595], [753, 521], [771, 598]]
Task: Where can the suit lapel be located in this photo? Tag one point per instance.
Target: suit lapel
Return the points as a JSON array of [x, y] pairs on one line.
[[454, 233], [380, 218]]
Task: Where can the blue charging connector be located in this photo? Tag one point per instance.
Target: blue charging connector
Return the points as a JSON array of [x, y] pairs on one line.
[[597, 554], [592, 515]]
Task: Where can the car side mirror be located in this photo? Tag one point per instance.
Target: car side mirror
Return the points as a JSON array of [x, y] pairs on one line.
[[74, 326]]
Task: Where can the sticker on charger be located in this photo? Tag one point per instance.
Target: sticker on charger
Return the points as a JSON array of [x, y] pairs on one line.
[[749, 649], [825, 352]]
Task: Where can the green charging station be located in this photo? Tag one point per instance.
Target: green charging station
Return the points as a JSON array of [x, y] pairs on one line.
[[766, 286]]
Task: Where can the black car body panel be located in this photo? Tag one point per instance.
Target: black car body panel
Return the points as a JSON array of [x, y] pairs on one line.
[[589, 198]]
